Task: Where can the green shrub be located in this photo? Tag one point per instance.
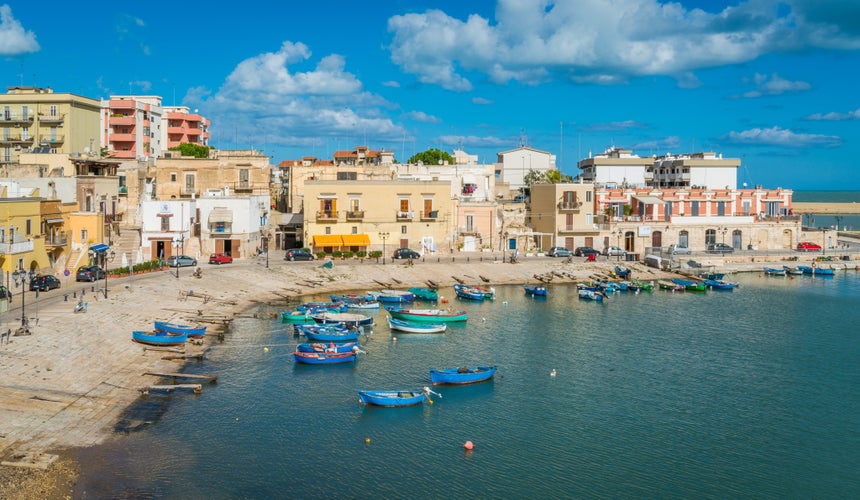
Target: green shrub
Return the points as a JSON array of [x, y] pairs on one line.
[[321, 254], [347, 254], [375, 254], [337, 254], [361, 254]]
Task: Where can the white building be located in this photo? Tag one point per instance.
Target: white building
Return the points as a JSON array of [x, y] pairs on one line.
[[512, 166], [616, 166]]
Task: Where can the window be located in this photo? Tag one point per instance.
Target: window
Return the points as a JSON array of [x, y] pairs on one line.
[[470, 223], [165, 224], [2, 235], [84, 235], [710, 236], [721, 208], [52, 111], [569, 197], [354, 205], [694, 208], [347, 176], [28, 227], [328, 230], [173, 177], [684, 239], [189, 183], [402, 229], [354, 229], [244, 177]]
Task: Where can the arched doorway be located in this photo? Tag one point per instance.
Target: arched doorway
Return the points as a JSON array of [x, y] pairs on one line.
[[657, 239], [787, 238], [737, 239], [629, 241], [684, 239]]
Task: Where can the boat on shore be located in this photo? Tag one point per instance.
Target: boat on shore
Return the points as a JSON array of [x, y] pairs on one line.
[[159, 338], [196, 332], [427, 315], [462, 375], [535, 290], [395, 399], [323, 358], [416, 327]]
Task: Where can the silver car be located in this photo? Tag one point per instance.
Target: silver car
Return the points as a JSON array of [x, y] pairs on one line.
[[679, 250]]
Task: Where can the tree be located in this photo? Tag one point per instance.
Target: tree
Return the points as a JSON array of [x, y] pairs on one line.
[[197, 151], [547, 177], [432, 157]]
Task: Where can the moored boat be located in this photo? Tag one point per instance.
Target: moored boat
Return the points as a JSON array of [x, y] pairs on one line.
[[395, 399], [323, 347], [159, 338], [427, 315], [535, 290], [668, 285], [816, 271], [174, 328], [471, 292], [297, 317], [424, 293], [595, 295], [389, 296], [720, 285], [416, 327], [462, 375], [323, 358], [690, 286], [348, 319], [773, 271]]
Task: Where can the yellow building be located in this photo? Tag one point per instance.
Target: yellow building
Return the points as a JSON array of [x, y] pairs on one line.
[[563, 215], [377, 215], [21, 243], [34, 117]]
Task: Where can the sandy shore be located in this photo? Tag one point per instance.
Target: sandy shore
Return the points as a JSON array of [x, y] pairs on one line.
[[66, 385]]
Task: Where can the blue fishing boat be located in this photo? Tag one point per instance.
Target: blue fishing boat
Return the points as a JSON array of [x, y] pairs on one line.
[[159, 338], [535, 290], [792, 270], [462, 375], [323, 358], [395, 399], [174, 328], [389, 296], [301, 329], [323, 347], [356, 301], [690, 286], [333, 336], [720, 285], [594, 295], [470, 292], [622, 272], [415, 327], [315, 307], [427, 315], [817, 271], [424, 293], [351, 320], [772, 271]]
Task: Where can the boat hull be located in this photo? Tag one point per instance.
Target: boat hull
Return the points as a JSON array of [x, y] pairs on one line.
[[428, 315], [159, 339], [173, 328], [323, 358], [348, 319], [392, 399], [459, 376], [406, 326], [322, 347], [537, 291]]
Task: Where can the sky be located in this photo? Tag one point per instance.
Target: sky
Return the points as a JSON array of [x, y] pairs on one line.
[[770, 82]]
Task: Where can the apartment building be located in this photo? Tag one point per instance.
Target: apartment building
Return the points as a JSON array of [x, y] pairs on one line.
[[513, 165], [131, 126], [366, 215], [183, 126], [35, 119], [240, 172], [562, 215]]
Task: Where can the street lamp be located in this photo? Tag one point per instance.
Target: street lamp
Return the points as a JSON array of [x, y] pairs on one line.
[[266, 244], [177, 245], [22, 278], [723, 230], [383, 236], [108, 257], [617, 233]]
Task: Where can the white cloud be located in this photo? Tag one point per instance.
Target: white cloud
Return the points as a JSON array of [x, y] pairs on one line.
[[420, 116], [609, 41], [774, 85], [834, 116], [662, 145], [391, 83], [14, 39], [613, 126], [777, 136], [481, 101], [265, 99]]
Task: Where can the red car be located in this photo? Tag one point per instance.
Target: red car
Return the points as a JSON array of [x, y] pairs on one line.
[[805, 246], [220, 258]]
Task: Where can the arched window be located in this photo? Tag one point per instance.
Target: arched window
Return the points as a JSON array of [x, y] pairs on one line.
[[737, 239], [684, 239]]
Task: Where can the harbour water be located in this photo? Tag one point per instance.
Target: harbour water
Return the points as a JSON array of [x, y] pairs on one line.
[[843, 222], [751, 393]]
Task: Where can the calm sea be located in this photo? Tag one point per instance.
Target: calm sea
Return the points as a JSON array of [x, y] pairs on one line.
[[751, 393], [845, 222]]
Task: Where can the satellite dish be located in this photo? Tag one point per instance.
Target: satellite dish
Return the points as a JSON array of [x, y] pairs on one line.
[[745, 185]]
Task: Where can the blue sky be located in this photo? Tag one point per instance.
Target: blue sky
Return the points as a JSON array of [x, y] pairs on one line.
[[771, 82]]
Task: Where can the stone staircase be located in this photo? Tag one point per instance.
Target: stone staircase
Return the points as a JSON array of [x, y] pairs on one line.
[[128, 243]]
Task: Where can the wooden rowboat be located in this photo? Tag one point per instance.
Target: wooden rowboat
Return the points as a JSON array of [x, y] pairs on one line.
[[159, 338], [410, 327], [462, 375], [395, 399], [323, 358], [427, 315], [173, 328]]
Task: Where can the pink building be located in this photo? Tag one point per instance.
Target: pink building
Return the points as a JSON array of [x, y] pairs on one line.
[[131, 126], [185, 127]]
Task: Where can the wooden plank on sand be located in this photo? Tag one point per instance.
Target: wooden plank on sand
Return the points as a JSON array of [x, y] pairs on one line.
[[197, 388], [210, 378]]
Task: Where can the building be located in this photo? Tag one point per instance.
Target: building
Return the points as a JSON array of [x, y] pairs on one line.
[[239, 172], [183, 126], [131, 127], [617, 167], [362, 155], [35, 119], [562, 215], [513, 165], [367, 215]]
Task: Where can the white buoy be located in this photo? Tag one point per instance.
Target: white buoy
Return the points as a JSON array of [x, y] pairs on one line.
[[552, 373]]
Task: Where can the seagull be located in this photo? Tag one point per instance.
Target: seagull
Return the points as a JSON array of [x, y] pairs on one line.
[[552, 373]]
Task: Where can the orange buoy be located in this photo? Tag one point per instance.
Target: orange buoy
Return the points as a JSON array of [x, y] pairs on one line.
[[468, 445], [444, 301]]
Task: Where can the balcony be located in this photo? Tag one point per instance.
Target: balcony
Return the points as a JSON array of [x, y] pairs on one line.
[[16, 248], [243, 187], [59, 118], [15, 139], [432, 215], [468, 231], [569, 205], [405, 216], [189, 193], [57, 241], [355, 215], [122, 138], [121, 120], [220, 230], [326, 216], [16, 118], [567, 228], [54, 139]]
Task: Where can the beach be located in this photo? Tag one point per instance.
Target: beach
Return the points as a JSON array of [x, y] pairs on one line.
[[66, 385]]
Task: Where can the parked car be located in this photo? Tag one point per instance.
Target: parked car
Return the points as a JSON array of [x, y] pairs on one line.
[[679, 250], [405, 253], [585, 251], [5, 293], [181, 261], [298, 254], [44, 283], [220, 258], [613, 251], [90, 273], [720, 248], [559, 252], [806, 246]]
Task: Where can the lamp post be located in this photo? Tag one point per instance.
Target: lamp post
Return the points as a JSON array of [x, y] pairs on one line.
[[617, 233], [108, 257], [383, 236], [723, 230], [266, 244], [177, 245], [22, 278]]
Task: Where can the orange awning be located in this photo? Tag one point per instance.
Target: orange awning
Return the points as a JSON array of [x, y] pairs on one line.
[[327, 240], [355, 240]]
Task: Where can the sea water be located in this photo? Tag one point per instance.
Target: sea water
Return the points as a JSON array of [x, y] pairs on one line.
[[751, 393]]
